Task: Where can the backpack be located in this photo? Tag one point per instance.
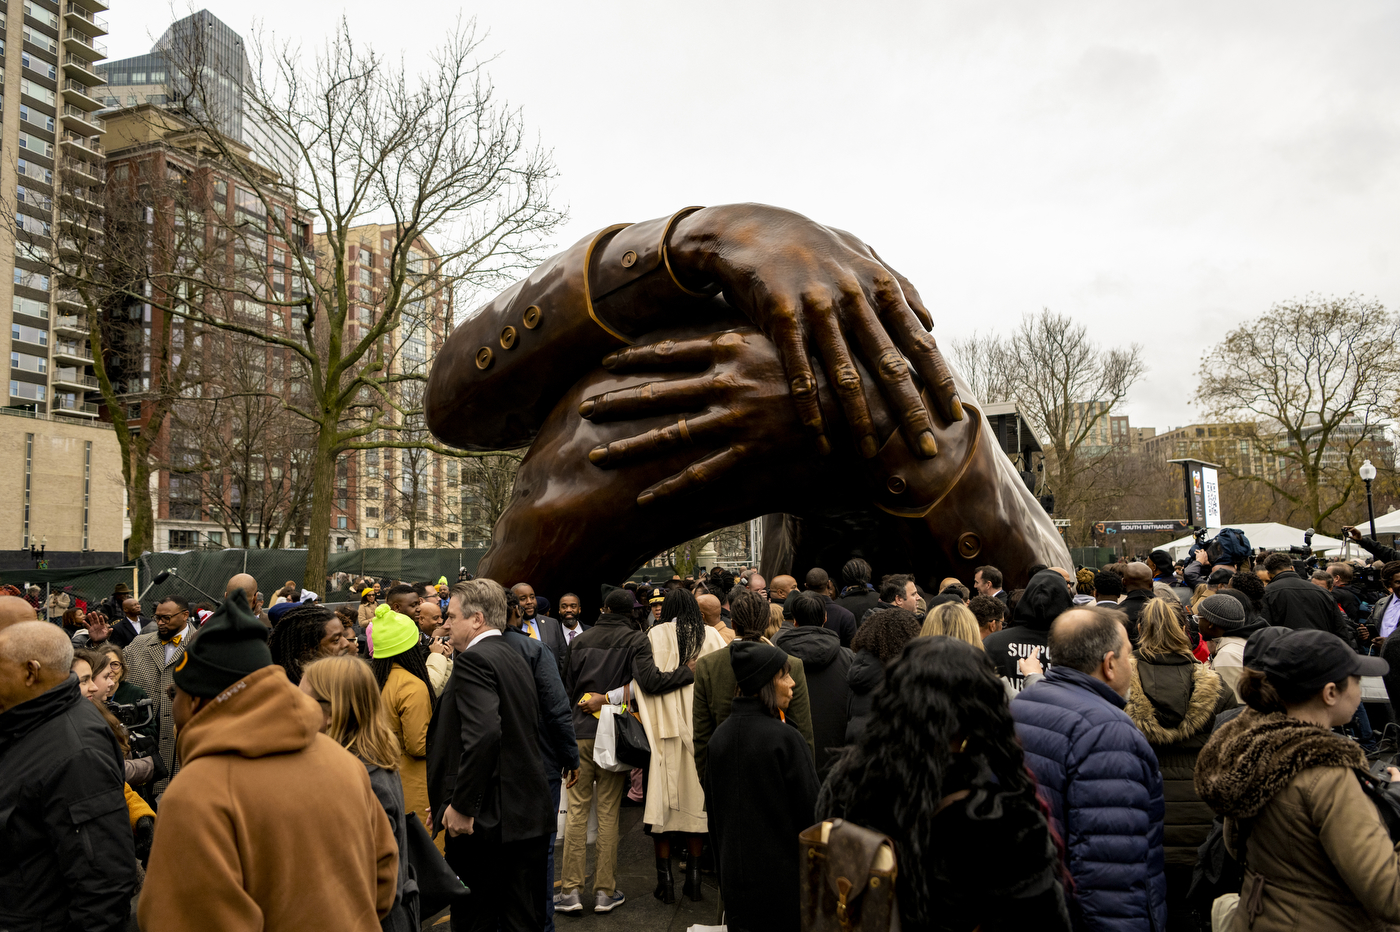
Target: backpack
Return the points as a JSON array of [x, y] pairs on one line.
[[1234, 546]]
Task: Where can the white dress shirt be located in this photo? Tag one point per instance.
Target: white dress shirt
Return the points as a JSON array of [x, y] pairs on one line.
[[171, 647], [489, 632]]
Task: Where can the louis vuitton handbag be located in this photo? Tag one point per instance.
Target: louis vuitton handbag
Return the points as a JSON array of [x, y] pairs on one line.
[[848, 878]]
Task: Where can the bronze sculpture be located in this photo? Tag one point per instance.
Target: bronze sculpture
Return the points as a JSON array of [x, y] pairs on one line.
[[707, 409]]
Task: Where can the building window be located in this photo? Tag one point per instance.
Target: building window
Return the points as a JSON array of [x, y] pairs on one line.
[[391, 533], [216, 538], [372, 493], [183, 540], [29, 306], [28, 363], [371, 512], [340, 522], [29, 334], [372, 533], [26, 390], [452, 537]]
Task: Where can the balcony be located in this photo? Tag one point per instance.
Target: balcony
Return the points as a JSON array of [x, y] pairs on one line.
[[88, 226], [82, 71], [81, 195], [62, 405], [81, 170], [72, 325], [96, 6], [83, 46], [79, 18], [70, 248], [83, 383], [86, 144], [80, 95], [69, 300], [78, 351], [83, 122]]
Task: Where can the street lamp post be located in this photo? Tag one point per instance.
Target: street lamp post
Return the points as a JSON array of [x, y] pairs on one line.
[[1368, 472]]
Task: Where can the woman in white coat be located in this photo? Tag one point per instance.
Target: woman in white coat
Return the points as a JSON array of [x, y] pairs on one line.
[[675, 801]]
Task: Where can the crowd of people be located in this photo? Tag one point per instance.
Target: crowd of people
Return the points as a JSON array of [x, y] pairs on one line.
[[1143, 746]]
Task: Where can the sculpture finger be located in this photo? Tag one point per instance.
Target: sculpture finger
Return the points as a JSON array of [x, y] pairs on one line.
[[892, 369], [844, 378], [922, 349], [660, 440], [802, 384], [697, 354], [649, 398], [695, 476], [911, 294]]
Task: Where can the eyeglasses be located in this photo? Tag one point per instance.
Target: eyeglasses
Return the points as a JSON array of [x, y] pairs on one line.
[[172, 617]]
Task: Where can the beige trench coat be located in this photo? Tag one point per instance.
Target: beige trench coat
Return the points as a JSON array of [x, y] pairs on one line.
[[675, 801]]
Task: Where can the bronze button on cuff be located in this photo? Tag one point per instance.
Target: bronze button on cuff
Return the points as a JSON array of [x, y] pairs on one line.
[[629, 259], [532, 317], [507, 338], [484, 357]]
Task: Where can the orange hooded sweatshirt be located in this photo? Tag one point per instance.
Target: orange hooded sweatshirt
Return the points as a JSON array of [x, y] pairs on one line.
[[269, 825]]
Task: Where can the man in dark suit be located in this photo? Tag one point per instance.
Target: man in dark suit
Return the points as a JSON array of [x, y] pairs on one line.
[[540, 627], [987, 581], [485, 736], [838, 619], [558, 743], [130, 623]]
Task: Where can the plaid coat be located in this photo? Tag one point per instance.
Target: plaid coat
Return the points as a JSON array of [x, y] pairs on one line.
[[146, 668]]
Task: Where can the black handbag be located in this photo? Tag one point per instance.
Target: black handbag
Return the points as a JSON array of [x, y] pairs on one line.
[[438, 886], [632, 744], [1386, 798]]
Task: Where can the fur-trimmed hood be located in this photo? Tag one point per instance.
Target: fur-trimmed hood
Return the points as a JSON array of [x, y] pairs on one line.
[[1179, 702], [1255, 755]]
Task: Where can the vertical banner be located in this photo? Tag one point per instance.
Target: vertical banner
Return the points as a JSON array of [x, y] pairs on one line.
[[1210, 486]]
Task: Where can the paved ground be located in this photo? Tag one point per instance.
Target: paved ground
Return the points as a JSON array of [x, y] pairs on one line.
[[636, 877]]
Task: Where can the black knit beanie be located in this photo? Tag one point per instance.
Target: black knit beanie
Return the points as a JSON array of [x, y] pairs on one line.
[[232, 644], [755, 663]]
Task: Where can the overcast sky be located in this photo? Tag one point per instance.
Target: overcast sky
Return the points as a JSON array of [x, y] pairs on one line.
[[1160, 171]]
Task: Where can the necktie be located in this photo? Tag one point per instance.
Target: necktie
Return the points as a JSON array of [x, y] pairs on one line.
[[530, 630]]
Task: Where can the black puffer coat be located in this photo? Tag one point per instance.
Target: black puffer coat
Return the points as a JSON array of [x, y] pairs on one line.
[[866, 673], [69, 860], [828, 667], [1174, 702]]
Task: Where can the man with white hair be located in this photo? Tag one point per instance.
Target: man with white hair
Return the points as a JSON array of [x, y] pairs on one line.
[[70, 860]]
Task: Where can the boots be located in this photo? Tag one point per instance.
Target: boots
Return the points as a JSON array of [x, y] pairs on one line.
[[692, 879], [665, 882]]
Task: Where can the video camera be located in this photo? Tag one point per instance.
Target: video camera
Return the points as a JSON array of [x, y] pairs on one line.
[[133, 715]]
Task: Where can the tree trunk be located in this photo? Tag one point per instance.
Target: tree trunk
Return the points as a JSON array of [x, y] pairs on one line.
[[319, 539], [140, 506]]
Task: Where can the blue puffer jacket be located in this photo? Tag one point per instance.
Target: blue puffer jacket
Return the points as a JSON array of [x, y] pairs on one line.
[[1101, 779]]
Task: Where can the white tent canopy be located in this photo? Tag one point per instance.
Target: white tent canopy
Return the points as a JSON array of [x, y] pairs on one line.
[[1270, 536], [1385, 524]]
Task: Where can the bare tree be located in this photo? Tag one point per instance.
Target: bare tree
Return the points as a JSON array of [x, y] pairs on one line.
[[127, 245], [487, 482], [1066, 386], [435, 157], [1319, 378]]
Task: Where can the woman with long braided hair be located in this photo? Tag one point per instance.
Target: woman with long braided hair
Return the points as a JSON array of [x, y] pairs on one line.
[[304, 633], [675, 801], [402, 675]]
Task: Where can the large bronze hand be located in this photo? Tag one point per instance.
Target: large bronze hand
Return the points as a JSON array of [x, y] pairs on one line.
[[736, 398], [814, 289]]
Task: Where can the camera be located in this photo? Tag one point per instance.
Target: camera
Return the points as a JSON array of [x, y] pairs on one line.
[[133, 715]]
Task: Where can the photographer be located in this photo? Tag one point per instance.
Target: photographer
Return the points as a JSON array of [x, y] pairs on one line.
[[1381, 551], [1345, 591]]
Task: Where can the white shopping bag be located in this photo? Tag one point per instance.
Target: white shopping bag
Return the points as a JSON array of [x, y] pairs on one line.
[[605, 744]]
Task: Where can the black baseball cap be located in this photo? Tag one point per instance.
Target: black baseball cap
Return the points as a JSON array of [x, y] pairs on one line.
[[1309, 660]]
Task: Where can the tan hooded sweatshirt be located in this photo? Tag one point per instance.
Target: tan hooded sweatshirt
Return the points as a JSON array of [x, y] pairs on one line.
[[269, 824]]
